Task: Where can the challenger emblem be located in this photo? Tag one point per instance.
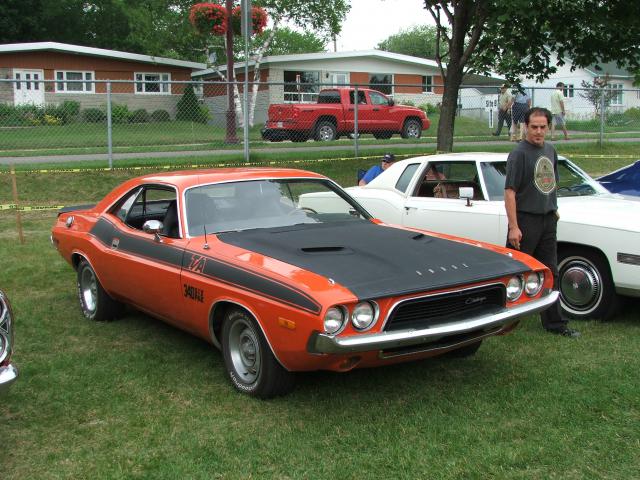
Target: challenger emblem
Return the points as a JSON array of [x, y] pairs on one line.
[[474, 300], [197, 263]]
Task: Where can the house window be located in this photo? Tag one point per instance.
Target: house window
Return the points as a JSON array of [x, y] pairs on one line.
[[567, 91], [153, 83], [301, 86], [616, 92], [68, 81], [427, 83], [382, 82]]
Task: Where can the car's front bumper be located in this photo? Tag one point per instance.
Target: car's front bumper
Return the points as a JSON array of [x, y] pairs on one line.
[[8, 375], [321, 343]]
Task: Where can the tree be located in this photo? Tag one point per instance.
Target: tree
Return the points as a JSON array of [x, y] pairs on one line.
[[287, 41], [598, 92], [417, 41], [518, 38]]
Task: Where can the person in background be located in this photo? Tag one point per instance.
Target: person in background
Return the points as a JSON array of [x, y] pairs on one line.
[[376, 170], [532, 206], [558, 111], [521, 104], [505, 100]]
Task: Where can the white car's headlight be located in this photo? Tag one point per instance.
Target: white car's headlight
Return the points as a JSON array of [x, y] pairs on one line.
[[364, 315], [514, 288], [334, 320], [533, 283]]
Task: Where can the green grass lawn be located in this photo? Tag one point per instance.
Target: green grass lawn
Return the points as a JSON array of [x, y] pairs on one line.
[[136, 398]]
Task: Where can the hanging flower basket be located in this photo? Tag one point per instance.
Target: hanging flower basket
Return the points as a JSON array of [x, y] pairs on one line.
[[258, 20], [208, 18]]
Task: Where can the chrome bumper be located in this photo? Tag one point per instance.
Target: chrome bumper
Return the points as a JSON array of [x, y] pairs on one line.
[[323, 343], [8, 374]]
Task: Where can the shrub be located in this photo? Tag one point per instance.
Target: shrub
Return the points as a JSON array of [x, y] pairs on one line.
[[160, 116], [408, 103], [189, 109], [429, 108], [632, 114], [94, 115], [120, 113], [69, 110], [139, 116]]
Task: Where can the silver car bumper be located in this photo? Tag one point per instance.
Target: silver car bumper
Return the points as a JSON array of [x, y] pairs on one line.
[[8, 374], [323, 343]]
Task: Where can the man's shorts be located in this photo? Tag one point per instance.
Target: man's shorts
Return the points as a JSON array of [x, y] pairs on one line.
[[558, 120]]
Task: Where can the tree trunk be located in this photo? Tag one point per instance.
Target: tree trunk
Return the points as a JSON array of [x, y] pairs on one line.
[[448, 109], [256, 72]]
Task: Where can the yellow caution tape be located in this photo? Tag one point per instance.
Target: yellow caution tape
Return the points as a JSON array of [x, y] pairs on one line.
[[13, 206]]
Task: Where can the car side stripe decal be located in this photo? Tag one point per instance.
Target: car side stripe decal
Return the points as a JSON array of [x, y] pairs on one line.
[[105, 231]]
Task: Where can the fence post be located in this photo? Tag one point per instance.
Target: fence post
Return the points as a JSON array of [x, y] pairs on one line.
[[602, 116], [14, 189], [355, 120], [110, 126]]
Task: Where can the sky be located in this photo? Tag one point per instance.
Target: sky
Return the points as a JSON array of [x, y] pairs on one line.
[[371, 21]]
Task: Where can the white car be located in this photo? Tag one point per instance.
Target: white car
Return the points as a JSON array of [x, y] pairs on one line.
[[462, 194]]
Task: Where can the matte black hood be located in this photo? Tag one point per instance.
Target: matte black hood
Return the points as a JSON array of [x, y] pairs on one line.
[[376, 261]]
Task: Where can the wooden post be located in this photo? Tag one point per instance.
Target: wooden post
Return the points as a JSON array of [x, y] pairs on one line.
[[14, 188]]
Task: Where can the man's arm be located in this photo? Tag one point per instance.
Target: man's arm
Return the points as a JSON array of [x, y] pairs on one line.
[[514, 234]]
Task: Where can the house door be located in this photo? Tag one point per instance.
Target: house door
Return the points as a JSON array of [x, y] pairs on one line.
[[339, 79], [28, 88]]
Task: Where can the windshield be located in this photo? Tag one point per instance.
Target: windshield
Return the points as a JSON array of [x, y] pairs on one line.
[[237, 206], [573, 181]]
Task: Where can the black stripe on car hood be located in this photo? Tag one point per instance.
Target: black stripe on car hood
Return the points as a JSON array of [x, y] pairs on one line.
[[377, 261]]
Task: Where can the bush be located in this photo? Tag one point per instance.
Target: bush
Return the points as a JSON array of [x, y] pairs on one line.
[[139, 116], [160, 116], [120, 113], [408, 103], [69, 110], [94, 115], [429, 108], [189, 109], [632, 114]]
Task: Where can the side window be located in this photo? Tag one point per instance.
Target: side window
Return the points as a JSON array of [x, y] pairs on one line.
[[362, 99], [405, 179], [377, 99], [122, 209], [444, 179], [148, 203]]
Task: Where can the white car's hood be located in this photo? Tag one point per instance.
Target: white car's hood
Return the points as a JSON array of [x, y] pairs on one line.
[[608, 211]]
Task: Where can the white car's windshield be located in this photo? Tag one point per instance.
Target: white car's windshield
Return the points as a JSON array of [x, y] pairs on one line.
[[573, 181], [236, 206]]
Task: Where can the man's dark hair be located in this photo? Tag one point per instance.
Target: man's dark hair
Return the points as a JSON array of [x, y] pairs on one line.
[[559, 84], [537, 112]]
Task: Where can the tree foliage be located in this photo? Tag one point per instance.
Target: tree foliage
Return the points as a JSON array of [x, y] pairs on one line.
[[417, 41], [287, 41], [521, 37]]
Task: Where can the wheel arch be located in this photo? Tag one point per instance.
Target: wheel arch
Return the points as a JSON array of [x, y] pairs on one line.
[[563, 246], [328, 118]]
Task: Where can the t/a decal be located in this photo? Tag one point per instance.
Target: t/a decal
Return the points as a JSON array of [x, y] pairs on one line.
[[197, 263], [196, 294]]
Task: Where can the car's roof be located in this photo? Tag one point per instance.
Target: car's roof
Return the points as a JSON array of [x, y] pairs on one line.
[[189, 178]]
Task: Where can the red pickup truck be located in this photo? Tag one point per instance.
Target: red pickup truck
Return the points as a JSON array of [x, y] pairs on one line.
[[334, 115]]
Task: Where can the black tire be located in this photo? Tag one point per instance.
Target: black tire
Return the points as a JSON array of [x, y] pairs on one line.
[[411, 129], [325, 131], [466, 351], [250, 364], [95, 303], [585, 284], [383, 135]]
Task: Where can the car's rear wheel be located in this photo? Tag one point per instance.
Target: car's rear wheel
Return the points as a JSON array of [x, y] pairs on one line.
[[95, 303], [585, 284], [250, 364], [411, 129], [326, 131]]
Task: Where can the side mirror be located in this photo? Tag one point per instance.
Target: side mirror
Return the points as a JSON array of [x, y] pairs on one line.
[[153, 226], [391, 102], [466, 192]]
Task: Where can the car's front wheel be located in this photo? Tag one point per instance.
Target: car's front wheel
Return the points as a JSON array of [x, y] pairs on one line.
[[585, 284], [250, 364], [95, 303], [411, 129]]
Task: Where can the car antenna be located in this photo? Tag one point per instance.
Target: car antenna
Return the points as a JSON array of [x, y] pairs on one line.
[[206, 242]]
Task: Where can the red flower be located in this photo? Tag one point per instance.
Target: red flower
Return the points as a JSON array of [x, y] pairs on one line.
[[258, 20], [208, 18]]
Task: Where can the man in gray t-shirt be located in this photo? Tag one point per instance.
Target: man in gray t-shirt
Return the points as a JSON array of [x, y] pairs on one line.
[[532, 206]]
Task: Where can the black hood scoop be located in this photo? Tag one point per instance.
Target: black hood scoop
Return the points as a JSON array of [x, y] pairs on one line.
[[377, 261]]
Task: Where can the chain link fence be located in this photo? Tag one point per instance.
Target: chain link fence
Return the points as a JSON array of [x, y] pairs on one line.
[[44, 117]]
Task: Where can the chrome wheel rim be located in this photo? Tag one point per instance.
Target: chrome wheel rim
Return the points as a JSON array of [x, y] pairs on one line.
[[580, 285], [244, 350], [413, 130], [89, 290], [325, 133]]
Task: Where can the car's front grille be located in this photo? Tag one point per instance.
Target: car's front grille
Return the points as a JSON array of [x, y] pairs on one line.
[[433, 310]]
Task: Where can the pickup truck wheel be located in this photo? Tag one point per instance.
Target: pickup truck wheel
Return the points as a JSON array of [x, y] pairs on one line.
[[326, 131], [383, 135], [250, 364], [585, 284], [411, 129], [95, 303]]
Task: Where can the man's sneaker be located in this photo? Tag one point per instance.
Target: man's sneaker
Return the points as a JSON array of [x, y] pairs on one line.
[[565, 332]]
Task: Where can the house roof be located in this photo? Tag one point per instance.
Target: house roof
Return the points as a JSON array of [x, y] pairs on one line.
[[328, 56], [96, 52], [609, 68]]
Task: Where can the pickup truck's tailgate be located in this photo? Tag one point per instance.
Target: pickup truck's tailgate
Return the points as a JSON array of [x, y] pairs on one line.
[[280, 112]]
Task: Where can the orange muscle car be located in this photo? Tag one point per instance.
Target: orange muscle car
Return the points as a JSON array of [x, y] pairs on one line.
[[236, 257]]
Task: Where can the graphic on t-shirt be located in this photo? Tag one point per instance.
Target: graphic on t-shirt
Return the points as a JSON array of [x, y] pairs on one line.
[[544, 176]]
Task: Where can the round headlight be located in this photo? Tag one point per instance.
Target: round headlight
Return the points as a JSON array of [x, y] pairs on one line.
[[334, 320], [514, 288], [534, 282], [363, 316]]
